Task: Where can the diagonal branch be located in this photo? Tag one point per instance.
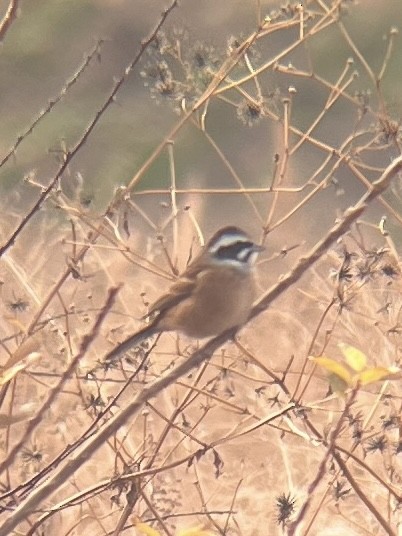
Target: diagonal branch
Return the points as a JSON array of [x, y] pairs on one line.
[[205, 352], [71, 154], [9, 17]]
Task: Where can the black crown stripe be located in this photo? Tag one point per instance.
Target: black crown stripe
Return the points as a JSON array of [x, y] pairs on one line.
[[233, 251]]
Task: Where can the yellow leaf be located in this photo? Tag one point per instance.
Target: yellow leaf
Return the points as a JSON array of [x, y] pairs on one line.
[[334, 367], [355, 358], [146, 529], [377, 374], [194, 531]]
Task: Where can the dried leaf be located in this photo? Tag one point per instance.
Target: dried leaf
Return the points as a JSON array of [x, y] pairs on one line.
[[23, 357], [26, 412], [15, 323], [10, 372], [28, 346]]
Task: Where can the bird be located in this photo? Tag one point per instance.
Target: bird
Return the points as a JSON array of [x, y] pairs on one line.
[[215, 292]]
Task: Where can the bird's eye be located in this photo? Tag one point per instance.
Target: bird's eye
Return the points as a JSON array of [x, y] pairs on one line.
[[239, 251]]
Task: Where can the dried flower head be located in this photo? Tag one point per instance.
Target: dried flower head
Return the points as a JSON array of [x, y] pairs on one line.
[[286, 507], [249, 112]]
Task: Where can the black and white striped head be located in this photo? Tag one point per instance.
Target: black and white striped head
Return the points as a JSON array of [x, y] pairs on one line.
[[231, 246]]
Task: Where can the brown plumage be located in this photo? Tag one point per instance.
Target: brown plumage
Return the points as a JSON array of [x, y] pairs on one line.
[[215, 293]]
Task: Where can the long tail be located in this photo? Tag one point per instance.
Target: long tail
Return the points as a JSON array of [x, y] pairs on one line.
[[131, 342]]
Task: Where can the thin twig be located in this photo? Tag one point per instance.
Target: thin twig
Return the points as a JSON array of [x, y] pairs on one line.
[[52, 102], [70, 155], [9, 18], [199, 356], [55, 391]]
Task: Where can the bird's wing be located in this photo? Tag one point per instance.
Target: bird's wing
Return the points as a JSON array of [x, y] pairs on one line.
[[178, 292]]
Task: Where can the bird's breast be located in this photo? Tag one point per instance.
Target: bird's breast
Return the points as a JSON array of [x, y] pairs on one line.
[[221, 300]]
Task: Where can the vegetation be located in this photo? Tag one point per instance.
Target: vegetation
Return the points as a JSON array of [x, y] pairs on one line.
[[115, 169]]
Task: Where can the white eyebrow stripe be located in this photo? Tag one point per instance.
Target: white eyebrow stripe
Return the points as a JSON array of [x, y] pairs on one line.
[[228, 240], [244, 253], [236, 263]]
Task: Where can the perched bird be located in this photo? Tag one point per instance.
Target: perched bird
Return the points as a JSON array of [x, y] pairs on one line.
[[215, 292]]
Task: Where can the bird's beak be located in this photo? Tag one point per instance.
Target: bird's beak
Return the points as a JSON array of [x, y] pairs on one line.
[[257, 248]]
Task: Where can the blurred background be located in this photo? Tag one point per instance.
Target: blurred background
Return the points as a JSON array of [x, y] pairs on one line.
[[50, 40]]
